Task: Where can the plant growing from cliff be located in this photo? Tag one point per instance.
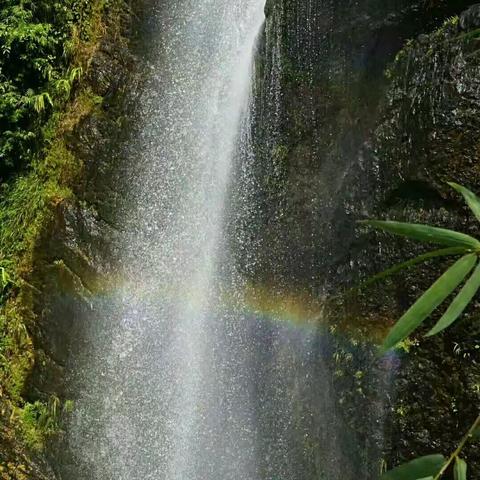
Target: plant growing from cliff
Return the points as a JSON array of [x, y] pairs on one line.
[[39, 67], [39, 421], [433, 467], [456, 243]]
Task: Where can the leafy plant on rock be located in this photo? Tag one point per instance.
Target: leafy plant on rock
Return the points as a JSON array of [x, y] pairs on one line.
[[457, 244], [38, 71], [464, 272]]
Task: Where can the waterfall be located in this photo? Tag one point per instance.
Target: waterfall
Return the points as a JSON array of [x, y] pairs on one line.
[[191, 365], [164, 388]]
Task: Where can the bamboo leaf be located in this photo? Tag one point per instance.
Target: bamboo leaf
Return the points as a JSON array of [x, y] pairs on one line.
[[443, 252], [459, 304], [420, 468], [472, 200], [426, 233], [460, 469], [430, 300]]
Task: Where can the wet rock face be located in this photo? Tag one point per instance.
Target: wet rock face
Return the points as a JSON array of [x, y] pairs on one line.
[[470, 19], [429, 134], [73, 252], [342, 141], [320, 86], [76, 252]]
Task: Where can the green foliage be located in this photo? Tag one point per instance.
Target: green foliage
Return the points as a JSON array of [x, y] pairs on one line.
[[459, 243], [426, 233], [460, 469], [26, 204], [443, 252], [433, 467], [45, 48], [38, 70], [430, 300], [15, 354], [459, 304], [420, 468], [40, 420], [472, 200]]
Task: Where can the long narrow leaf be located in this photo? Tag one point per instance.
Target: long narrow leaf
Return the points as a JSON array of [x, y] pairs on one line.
[[443, 252], [426, 233], [460, 469], [472, 200], [459, 304], [423, 467], [430, 300]]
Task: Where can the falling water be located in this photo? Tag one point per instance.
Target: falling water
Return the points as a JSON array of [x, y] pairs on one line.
[[164, 390], [180, 374]]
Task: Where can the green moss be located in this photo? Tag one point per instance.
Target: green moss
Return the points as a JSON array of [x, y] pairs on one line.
[[39, 421], [16, 356], [29, 205]]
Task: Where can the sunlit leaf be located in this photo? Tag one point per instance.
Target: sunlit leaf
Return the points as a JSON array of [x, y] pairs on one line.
[[443, 252], [459, 304], [460, 469], [472, 200], [425, 233], [49, 98], [430, 300], [75, 74], [420, 468]]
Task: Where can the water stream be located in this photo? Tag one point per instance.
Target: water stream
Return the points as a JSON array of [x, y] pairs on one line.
[[182, 378]]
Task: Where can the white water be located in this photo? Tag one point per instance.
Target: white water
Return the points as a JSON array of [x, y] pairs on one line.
[[166, 388], [177, 376]]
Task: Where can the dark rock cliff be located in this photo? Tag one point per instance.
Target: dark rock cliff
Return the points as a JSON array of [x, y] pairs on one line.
[[321, 78], [346, 131], [428, 136]]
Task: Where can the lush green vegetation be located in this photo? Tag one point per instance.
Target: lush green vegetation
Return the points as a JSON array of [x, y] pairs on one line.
[[433, 467], [38, 70], [45, 50], [457, 244]]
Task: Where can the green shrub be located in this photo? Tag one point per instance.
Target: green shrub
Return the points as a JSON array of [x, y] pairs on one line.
[[456, 243], [45, 48], [40, 63], [434, 467]]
